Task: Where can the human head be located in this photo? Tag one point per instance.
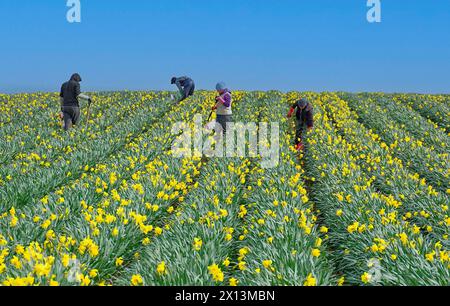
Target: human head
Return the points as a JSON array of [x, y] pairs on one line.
[[220, 87], [302, 103], [75, 77]]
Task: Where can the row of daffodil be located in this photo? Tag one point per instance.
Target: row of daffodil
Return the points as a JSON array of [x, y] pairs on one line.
[[433, 107], [284, 244], [50, 145], [15, 109], [199, 248], [100, 219], [371, 242], [14, 125], [21, 188], [36, 128], [426, 161], [421, 203], [429, 133]]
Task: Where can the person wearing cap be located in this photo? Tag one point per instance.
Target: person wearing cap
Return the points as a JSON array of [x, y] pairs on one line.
[[223, 105], [185, 85], [304, 118], [69, 98]]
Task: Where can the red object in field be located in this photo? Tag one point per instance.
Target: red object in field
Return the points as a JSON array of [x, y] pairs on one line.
[[291, 111], [300, 147]]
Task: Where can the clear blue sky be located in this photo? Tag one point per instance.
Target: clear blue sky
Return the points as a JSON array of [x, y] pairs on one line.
[[250, 44]]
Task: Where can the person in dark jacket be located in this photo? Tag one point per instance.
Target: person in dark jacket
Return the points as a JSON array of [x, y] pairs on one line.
[[304, 118], [185, 85], [69, 98]]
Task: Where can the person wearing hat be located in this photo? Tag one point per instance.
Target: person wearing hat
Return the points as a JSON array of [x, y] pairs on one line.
[[304, 118], [69, 96], [185, 85], [223, 105]]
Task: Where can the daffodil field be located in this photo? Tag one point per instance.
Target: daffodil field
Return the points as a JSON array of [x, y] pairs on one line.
[[107, 203]]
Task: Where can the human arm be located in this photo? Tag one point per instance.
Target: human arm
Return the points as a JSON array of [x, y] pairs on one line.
[[79, 95], [310, 120], [61, 95], [292, 110]]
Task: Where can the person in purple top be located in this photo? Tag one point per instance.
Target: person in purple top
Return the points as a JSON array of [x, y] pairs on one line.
[[223, 105]]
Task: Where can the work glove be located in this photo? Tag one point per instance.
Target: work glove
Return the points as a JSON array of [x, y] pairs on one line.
[[291, 111]]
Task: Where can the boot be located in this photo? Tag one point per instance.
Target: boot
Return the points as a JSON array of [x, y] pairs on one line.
[[300, 147]]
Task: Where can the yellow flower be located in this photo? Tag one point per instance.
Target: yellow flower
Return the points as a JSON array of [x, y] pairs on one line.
[[158, 231], [267, 264], [119, 261], [315, 252], [242, 265], [223, 213], [115, 232], [447, 221], [14, 221], [197, 244], [243, 251], [341, 281], [324, 229], [430, 256], [161, 268], [216, 273], [352, 228], [146, 241], [366, 277], [310, 281], [42, 269], [136, 280], [233, 282], [403, 238], [226, 262], [318, 242], [93, 273], [15, 261], [65, 260], [85, 281], [339, 212]]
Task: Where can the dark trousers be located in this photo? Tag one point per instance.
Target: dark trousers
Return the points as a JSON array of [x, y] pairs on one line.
[[188, 90], [223, 120], [71, 116], [300, 127]]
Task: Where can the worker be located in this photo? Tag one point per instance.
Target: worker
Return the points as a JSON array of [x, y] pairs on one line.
[[223, 106], [69, 98], [304, 119], [185, 85]]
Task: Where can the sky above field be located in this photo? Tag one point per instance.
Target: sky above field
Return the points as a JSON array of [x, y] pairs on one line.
[[320, 45]]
